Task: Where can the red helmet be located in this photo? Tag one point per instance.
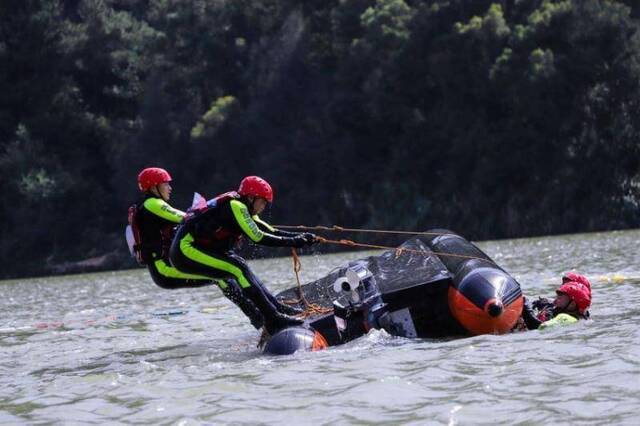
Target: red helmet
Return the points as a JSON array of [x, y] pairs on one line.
[[577, 292], [572, 276], [256, 187], [152, 176]]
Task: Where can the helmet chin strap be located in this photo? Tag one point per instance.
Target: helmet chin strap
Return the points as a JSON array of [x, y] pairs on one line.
[[251, 199], [564, 309], [154, 190]]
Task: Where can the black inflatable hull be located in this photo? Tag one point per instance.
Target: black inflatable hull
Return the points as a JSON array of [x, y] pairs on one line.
[[440, 286]]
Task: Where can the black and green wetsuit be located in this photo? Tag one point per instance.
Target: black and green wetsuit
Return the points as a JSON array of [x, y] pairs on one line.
[[156, 220], [204, 245], [543, 314]]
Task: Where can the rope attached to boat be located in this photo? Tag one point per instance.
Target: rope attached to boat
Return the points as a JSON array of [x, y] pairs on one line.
[[398, 250], [315, 309], [336, 228], [310, 309]]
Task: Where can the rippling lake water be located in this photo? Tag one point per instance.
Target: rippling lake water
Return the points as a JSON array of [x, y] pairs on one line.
[[114, 348]]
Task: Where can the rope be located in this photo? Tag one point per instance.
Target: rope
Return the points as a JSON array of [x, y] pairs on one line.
[[315, 309], [310, 309], [398, 250], [336, 228]]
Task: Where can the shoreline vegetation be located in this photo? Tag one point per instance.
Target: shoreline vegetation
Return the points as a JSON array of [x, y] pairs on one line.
[[495, 119]]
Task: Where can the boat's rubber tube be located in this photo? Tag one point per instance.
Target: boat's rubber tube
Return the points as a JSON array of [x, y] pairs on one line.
[[482, 297], [293, 339]]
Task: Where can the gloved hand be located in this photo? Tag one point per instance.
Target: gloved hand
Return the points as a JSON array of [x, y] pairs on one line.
[[305, 239], [298, 241], [310, 238], [541, 303]]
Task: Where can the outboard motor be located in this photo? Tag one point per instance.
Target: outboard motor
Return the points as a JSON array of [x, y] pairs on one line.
[[359, 308]]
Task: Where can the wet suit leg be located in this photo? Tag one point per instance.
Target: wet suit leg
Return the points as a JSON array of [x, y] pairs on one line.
[[261, 291], [233, 292], [168, 277], [255, 281], [229, 288], [187, 257]]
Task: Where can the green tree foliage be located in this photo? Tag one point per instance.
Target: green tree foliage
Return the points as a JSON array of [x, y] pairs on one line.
[[494, 118], [214, 119]]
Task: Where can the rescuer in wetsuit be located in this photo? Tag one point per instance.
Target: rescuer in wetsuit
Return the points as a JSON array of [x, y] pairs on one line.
[[205, 241], [573, 299], [156, 221]]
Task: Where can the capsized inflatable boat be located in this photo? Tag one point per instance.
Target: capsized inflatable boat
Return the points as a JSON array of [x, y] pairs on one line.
[[438, 286]]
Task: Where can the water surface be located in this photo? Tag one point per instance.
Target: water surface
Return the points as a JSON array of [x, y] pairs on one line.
[[114, 348]]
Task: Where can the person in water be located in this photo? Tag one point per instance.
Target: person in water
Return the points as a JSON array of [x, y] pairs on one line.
[[573, 299], [154, 220], [205, 241]]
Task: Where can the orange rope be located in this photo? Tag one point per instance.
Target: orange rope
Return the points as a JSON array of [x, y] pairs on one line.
[[399, 250], [337, 228], [315, 309], [309, 308]]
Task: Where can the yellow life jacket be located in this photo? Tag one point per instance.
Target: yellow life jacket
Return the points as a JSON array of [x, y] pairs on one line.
[[558, 320]]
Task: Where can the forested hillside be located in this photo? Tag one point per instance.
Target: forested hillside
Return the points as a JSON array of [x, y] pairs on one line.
[[492, 118]]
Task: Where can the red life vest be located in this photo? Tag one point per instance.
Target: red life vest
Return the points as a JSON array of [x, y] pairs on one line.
[[220, 233], [135, 229], [196, 211], [146, 251]]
